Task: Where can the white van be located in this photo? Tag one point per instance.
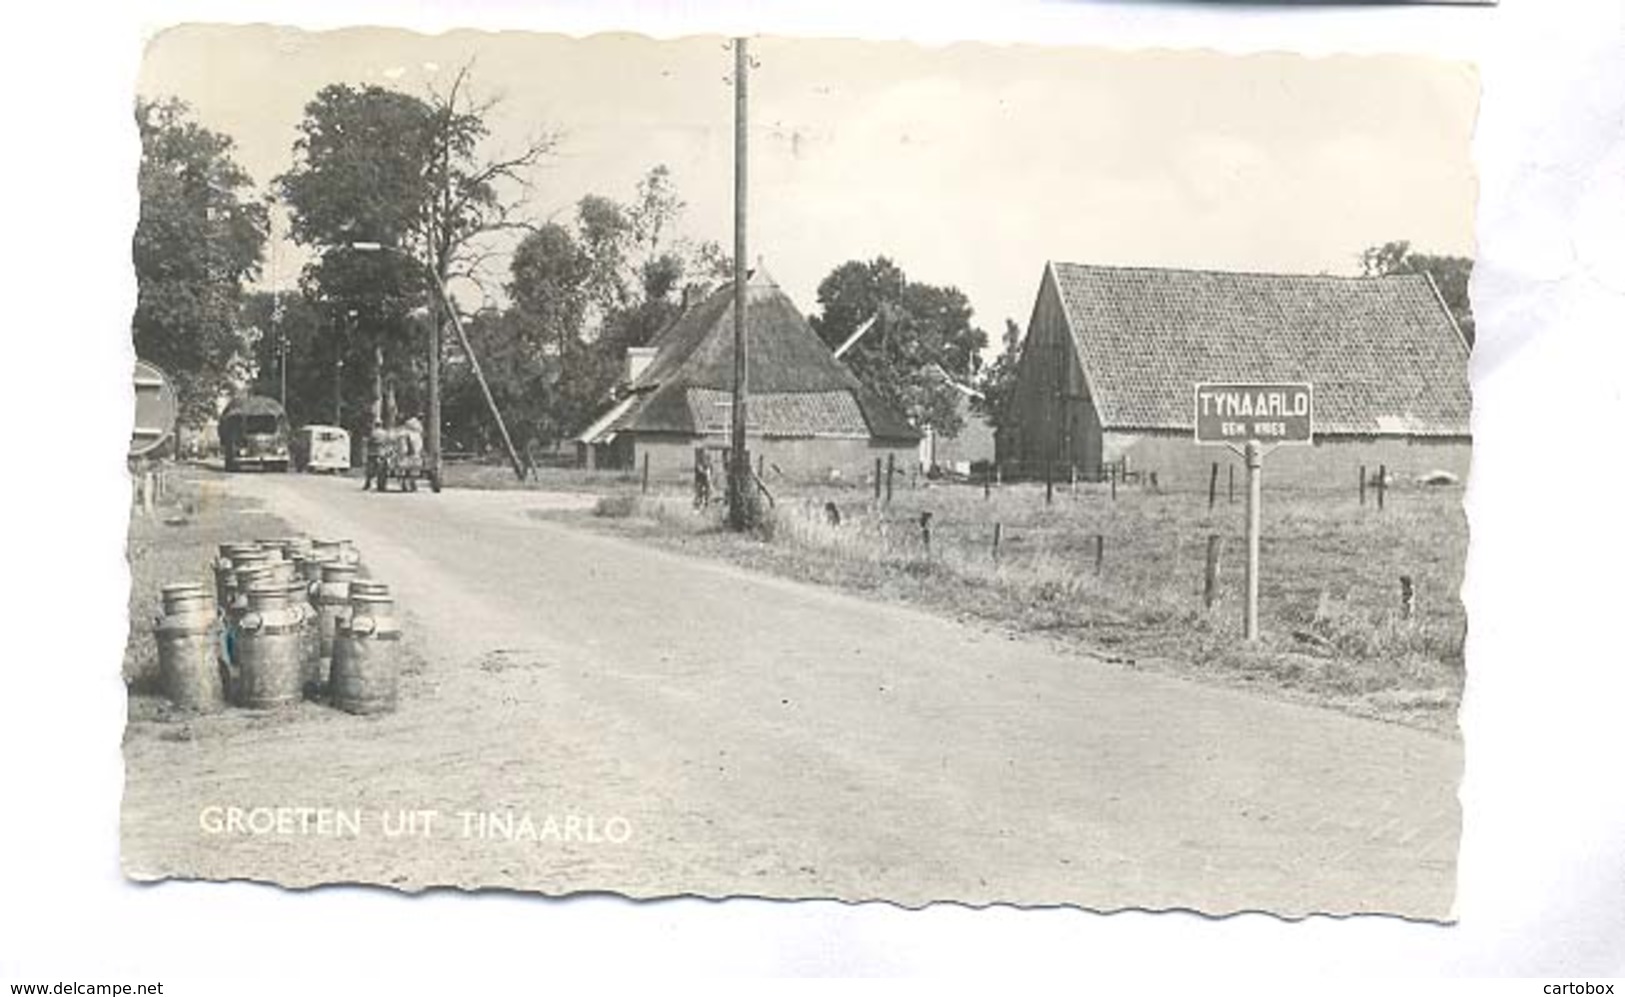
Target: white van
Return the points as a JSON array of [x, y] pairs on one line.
[[321, 448]]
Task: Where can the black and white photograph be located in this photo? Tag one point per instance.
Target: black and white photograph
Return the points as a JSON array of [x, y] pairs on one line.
[[504, 496], [800, 469]]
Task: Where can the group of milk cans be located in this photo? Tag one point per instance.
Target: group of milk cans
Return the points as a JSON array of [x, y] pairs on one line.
[[288, 620]]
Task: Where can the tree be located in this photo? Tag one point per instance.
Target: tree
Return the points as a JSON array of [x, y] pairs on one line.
[[585, 293], [922, 335], [998, 380], [289, 328], [1451, 274], [409, 173], [199, 239]]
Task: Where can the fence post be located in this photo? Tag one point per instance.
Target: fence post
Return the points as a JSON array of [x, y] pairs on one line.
[[1210, 579], [877, 479], [1362, 484], [1213, 486], [1114, 482], [645, 472], [998, 472], [1407, 597], [1049, 482], [1073, 485], [925, 531], [1230, 489], [1100, 551], [998, 534], [891, 468], [987, 482], [1154, 486], [1382, 484]]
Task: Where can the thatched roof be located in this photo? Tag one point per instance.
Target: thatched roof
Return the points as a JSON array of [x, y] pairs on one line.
[[1383, 353], [797, 389]]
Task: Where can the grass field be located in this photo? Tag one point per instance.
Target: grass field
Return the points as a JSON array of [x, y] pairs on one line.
[[1333, 628]]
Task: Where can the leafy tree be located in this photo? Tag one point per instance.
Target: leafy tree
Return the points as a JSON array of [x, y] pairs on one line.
[[585, 293], [409, 173], [998, 379], [199, 239], [921, 333], [289, 328], [1451, 274]]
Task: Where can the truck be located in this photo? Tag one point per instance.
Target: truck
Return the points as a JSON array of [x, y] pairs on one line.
[[254, 433]]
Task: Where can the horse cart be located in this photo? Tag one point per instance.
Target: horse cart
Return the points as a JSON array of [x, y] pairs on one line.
[[399, 458]]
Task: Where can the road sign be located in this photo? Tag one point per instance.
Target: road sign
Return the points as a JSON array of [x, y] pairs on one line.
[[1253, 419], [155, 409], [1232, 414]]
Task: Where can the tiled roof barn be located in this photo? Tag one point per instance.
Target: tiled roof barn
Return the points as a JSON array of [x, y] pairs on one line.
[[1112, 355]]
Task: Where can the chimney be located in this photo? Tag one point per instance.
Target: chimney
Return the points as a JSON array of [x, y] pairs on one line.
[[638, 359]]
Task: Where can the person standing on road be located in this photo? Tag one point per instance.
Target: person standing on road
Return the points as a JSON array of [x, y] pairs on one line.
[[411, 455], [377, 443]]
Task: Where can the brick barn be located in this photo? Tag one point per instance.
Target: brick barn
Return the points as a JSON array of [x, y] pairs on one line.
[[808, 418], [1112, 355]]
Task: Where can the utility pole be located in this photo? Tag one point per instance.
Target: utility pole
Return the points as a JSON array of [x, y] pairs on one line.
[[432, 430], [739, 482]]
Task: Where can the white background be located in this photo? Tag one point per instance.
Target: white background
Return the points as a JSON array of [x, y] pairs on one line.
[[1542, 872]]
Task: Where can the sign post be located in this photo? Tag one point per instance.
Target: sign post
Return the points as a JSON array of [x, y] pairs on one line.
[[155, 410], [1251, 420]]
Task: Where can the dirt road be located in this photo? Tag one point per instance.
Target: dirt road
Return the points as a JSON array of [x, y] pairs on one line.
[[707, 731]]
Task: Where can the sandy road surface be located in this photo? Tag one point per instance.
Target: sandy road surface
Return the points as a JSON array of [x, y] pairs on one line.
[[759, 737]]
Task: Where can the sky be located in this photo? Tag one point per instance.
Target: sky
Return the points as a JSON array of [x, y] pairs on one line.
[[969, 165]]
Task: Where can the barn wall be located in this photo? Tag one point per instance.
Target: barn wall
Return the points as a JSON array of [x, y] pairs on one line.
[[1055, 419], [1332, 463], [798, 459]]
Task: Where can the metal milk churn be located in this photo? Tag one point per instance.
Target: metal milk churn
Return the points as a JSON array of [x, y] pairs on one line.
[[271, 547], [366, 676], [188, 669], [232, 556], [247, 574], [266, 653], [333, 599], [223, 567], [313, 674], [311, 567], [342, 550]]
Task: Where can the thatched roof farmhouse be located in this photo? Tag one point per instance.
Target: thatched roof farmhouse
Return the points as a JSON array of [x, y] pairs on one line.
[[808, 415]]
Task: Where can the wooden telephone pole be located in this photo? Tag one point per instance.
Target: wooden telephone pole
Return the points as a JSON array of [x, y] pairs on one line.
[[739, 478]]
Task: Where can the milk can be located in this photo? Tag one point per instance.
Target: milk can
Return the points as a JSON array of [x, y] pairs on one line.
[[223, 567], [245, 575], [312, 669], [311, 567], [366, 676], [265, 658], [333, 599], [342, 550], [245, 557], [188, 671]]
